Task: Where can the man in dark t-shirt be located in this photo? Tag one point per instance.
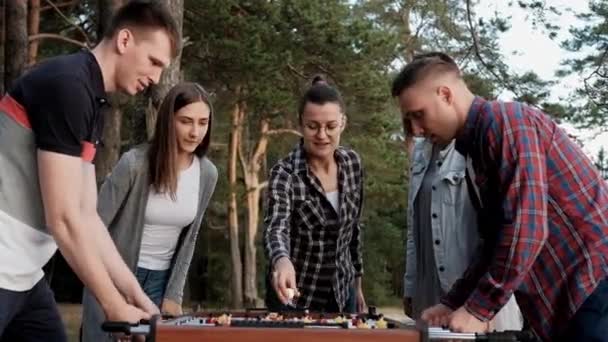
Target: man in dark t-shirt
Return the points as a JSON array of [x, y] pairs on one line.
[[50, 126]]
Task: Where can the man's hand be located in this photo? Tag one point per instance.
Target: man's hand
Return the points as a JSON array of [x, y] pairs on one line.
[[437, 315], [126, 313], [407, 306], [171, 307], [283, 278], [462, 321], [142, 301]]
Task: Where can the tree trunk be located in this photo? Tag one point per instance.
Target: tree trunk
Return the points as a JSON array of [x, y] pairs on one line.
[[15, 47], [33, 29], [233, 224], [171, 76], [409, 40], [251, 169], [109, 153], [2, 40]]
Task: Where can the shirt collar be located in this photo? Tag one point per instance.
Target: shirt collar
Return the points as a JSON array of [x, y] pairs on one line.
[[96, 77], [466, 138]]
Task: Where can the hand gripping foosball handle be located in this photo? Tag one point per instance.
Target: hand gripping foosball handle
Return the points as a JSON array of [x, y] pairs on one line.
[[126, 327], [117, 327]]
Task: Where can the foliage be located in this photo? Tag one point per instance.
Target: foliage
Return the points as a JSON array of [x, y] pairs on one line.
[[263, 53], [590, 43]]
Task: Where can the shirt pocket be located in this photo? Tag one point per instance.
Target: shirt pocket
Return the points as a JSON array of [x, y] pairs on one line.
[[453, 183], [309, 216]]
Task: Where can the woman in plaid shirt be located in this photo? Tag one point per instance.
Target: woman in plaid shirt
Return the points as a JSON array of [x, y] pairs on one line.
[[312, 233]]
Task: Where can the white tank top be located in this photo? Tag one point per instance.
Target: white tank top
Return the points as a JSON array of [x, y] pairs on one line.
[[333, 198], [165, 219]]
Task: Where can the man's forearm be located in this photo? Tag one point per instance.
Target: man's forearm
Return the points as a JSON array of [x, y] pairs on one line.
[[119, 272], [80, 251]]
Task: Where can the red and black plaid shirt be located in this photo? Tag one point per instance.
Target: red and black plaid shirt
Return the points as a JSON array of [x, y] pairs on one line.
[[549, 205]]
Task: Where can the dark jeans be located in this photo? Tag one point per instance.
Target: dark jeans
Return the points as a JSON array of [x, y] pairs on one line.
[[30, 315], [590, 322], [273, 303], [154, 283]]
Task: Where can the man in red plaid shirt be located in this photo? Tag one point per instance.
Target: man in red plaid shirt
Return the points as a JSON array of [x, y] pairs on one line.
[[544, 208]]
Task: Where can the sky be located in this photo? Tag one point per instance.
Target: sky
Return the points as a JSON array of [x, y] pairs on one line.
[[528, 49]]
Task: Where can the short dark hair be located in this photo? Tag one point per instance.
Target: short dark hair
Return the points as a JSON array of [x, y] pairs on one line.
[[420, 67], [320, 93], [145, 14], [162, 155]]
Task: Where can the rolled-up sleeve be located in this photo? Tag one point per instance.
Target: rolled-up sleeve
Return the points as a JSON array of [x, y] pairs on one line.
[[356, 242], [278, 215]]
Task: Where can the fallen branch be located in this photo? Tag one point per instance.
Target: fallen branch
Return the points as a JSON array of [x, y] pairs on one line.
[[55, 36]]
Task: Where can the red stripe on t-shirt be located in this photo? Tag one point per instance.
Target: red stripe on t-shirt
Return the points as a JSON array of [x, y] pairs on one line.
[[88, 151], [14, 110]]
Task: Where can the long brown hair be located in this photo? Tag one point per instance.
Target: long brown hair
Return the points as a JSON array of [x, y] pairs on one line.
[[162, 154]]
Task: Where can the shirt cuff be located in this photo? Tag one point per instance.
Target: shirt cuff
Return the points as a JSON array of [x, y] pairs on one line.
[[278, 255], [483, 306]]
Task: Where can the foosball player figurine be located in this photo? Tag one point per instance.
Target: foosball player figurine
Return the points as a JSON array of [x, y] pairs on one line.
[[381, 323], [361, 324], [307, 318], [224, 320], [340, 319]]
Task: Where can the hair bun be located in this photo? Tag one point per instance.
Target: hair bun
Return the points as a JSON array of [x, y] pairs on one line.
[[318, 79]]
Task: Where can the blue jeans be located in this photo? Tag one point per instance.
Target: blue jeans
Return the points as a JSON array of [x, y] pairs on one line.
[[590, 322], [30, 315], [154, 283]]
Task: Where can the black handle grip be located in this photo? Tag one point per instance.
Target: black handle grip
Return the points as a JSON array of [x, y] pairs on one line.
[[510, 335], [121, 327], [117, 327]]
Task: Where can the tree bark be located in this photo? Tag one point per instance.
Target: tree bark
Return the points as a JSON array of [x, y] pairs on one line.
[[108, 154], [2, 40], [15, 47], [251, 169], [171, 76], [409, 40], [33, 29], [238, 114]]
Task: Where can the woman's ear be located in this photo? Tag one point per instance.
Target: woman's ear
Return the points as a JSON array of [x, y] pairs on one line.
[[343, 125]]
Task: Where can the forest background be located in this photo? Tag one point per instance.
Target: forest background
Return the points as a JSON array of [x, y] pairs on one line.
[[257, 58]]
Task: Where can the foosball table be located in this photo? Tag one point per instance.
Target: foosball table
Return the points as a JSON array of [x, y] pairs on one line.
[[296, 326]]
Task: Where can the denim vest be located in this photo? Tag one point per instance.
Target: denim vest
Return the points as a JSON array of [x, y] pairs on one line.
[[453, 217]]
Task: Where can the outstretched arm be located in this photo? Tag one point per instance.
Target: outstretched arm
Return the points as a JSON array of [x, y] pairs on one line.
[[62, 183]]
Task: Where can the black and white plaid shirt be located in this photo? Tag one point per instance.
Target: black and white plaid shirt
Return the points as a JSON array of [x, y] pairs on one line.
[[301, 224]]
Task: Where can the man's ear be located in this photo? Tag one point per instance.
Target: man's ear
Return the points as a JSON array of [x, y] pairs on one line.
[[446, 94], [123, 39]]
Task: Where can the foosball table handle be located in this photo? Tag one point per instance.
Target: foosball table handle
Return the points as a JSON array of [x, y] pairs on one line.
[[125, 327], [515, 336]]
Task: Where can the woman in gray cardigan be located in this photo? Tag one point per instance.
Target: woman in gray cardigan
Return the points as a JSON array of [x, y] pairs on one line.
[[154, 200]]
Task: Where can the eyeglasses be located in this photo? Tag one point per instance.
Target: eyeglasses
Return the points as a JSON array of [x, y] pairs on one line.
[[331, 128]]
